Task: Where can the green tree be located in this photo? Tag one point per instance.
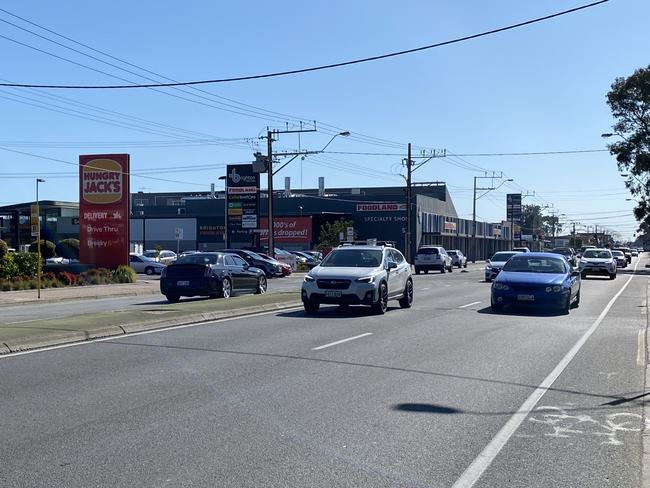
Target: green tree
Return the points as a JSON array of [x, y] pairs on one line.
[[629, 100], [4, 249], [534, 222], [47, 249], [329, 232], [68, 248]]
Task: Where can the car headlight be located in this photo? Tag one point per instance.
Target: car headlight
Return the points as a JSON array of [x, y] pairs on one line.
[[365, 279], [554, 289], [308, 279], [501, 286]]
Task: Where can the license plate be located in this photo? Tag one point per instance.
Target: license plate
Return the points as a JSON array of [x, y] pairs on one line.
[[182, 283], [526, 298], [332, 293]]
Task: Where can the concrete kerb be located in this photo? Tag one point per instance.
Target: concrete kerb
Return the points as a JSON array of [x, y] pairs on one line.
[[56, 338], [645, 433]]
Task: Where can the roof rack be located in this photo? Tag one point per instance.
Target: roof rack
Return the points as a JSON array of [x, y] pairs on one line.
[[368, 242]]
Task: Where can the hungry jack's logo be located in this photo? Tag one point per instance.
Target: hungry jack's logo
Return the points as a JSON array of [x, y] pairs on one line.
[[102, 181]]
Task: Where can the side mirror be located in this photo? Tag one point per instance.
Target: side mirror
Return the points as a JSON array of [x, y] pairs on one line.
[[246, 266], [392, 265]]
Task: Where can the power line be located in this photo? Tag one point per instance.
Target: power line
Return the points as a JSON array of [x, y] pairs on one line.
[[321, 67]]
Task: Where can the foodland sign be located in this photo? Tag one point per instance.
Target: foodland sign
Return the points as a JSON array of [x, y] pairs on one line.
[[104, 210]]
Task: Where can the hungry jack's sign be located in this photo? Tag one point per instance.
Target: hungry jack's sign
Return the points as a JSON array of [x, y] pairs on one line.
[[104, 210]]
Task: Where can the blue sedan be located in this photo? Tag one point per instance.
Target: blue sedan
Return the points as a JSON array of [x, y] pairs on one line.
[[537, 279]]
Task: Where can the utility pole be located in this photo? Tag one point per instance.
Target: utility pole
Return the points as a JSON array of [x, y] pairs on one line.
[[409, 168], [487, 190], [269, 149]]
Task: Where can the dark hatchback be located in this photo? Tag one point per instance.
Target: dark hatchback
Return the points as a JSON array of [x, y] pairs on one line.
[[213, 274], [270, 267]]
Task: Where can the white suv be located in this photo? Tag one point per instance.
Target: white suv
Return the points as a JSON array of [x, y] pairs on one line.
[[359, 275], [429, 258]]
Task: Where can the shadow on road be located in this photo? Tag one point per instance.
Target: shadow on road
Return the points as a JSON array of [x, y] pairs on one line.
[[422, 408], [521, 311], [333, 312]]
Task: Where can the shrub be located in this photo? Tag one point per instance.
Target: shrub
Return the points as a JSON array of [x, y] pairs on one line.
[[5, 285], [98, 276], [68, 279], [26, 262], [124, 274], [68, 248], [8, 268], [4, 249], [48, 249]]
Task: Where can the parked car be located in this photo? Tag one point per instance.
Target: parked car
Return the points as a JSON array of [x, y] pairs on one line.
[[568, 253], [494, 265], [458, 258], [143, 264], [310, 260], [359, 275], [521, 249], [537, 279], [270, 267], [621, 261], [285, 269], [316, 254], [213, 274], [598, 261], [429, 258], [164, 256], [634, 253]]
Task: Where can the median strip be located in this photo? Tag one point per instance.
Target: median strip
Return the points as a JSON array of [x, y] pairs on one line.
[[41, 333]]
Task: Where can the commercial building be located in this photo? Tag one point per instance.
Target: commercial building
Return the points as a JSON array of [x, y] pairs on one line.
[[377, 212]]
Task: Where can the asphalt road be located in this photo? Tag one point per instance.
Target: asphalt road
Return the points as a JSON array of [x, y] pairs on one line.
[[443, 394], [29, 312]]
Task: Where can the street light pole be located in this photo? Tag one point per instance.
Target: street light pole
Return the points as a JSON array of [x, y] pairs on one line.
[[487, 190], [38, 239], [225, 210]]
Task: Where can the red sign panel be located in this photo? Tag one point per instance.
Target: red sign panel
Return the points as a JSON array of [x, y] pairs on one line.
[[104, 210], [296, 230]]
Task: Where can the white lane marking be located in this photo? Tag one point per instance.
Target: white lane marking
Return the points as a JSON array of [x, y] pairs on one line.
[[640, 351], [341, 341], [474, 471], [427, 288], [469, 304], [145, 332]]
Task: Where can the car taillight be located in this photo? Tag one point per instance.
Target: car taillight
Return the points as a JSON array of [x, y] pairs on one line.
[[208, 272]]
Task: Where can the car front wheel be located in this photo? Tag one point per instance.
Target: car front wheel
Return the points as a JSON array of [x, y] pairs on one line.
[[172, 298], [261, 285], [612, 276], [310, 306], [381, 305]]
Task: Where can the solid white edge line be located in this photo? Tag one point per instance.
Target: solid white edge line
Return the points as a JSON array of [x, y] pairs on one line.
[[469, 304], [640, 350], [145, 332], [474, 471], [341, 341]]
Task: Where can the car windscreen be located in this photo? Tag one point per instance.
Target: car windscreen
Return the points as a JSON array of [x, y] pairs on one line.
[[502, 256], [451, 253], [254, 255], [198, 259], [618, 253], [428, 250], [591, 253], [564, 252], [353, 258], [523, 264]]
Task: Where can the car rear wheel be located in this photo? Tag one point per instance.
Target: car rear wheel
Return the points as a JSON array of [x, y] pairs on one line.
[[451, 268], [261, 285], [226, 288], [465, 265], [148, 270], [442, 269], [382, 300], [407, 299], [172, 298]]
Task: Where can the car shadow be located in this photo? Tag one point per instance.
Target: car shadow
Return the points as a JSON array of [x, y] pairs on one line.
[[334, 312], [182, 300], [521, 311], [425, 408]]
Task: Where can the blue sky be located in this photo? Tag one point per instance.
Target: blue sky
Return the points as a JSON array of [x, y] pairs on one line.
[[538, 88]]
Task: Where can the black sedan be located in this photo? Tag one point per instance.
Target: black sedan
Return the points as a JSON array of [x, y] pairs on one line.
[[270, 267], [212, 274]]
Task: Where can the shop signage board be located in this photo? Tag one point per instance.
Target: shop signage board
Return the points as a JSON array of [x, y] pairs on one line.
[[104, 209], [295, 230], [243, 202]]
